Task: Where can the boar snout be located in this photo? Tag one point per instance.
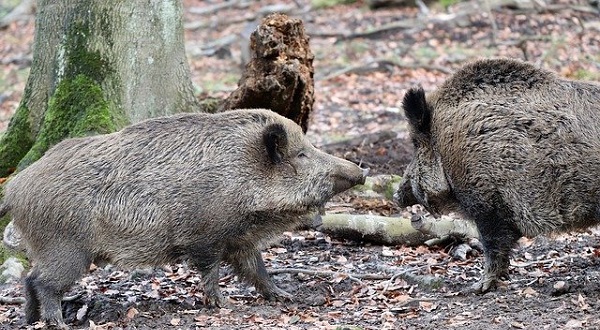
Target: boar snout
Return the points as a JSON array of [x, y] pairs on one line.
[[404, 196], [347, 176]]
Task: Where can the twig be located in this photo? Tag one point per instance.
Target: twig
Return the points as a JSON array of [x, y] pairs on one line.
[[23, 11], [488, 8], [561, 8], [23, 60], [211, 9], [409, 275], [12, 300], [546, 261], [404, 302], [353, 277], [369, 33], [380, 64], [21, 300]]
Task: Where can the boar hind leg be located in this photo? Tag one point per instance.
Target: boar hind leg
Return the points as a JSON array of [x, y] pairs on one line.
[[50, 278], [32, 303], [249, 265]]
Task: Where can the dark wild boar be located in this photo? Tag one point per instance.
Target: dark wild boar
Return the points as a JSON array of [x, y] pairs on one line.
[[197, 187], [510, 146]]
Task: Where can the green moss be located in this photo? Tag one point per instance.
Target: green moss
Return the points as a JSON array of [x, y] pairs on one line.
[[210, 104], [583, 74], [16, 142], [80, 60], [77, 108], [448, 3]]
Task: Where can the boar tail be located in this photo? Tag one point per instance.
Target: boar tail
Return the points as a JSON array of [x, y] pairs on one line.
[[416, 110]]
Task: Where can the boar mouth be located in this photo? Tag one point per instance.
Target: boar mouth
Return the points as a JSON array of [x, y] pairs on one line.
[[343, 182]]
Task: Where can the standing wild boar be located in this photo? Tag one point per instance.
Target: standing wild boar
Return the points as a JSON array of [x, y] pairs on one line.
[[197, 187], [510, 146]]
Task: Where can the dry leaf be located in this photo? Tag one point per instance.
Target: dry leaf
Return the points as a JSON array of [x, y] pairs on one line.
[[581, 302], [387, 252], [427, 306], [132, 312], [175, 321], [517, 325], [42, 325], [574, 324], [82, 312], [529, 291]]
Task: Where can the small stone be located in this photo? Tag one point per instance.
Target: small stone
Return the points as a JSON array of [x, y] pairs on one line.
[[11, 270]]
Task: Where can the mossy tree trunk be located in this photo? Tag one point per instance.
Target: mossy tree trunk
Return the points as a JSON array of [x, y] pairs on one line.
[[98, 65]]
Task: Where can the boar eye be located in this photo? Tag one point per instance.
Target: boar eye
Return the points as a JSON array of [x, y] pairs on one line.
[[302, 154]]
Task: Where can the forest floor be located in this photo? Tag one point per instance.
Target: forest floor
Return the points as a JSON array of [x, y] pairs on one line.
[[364, 61]]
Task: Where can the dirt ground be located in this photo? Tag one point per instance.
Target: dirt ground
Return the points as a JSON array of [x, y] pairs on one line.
[[361, 76]]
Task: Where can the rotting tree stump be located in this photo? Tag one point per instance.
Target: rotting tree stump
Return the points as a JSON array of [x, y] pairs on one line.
[[279, 75]]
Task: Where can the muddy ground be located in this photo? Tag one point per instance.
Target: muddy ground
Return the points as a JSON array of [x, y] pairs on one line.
[[338, 283]]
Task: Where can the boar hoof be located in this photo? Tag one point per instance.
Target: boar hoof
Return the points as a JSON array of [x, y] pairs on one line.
[[215, 301], [278, 294]]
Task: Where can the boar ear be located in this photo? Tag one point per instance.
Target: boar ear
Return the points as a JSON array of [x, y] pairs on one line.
[[276, 142], [416, 110]]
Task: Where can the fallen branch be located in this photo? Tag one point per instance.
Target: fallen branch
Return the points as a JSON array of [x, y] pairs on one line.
[[22, 60], [548, 261], [23, 11], [375, 32], [384, 64], [353, 277], [412, 300], [405, 274], [12, 300], [372, 228], [444, 226], [370, 33], [211, 9], [21, 300]]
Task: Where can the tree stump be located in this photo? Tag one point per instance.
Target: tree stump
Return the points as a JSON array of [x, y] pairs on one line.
[[279, 75]]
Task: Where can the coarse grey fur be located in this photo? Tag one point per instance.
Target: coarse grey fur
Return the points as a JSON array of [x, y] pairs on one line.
[[197, 187], [512, 147]]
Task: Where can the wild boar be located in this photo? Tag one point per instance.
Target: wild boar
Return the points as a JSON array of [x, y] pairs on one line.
[[196, 187], [512, 147]]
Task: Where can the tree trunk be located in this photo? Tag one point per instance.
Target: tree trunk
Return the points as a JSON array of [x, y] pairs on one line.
[[98, 65]]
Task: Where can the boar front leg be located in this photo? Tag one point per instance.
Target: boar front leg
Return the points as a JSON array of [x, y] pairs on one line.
[[249, 265], [498, 238], [212, 293], [499, 234]]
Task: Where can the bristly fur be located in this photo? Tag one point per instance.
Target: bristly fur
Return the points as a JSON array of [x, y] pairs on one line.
[[199, 187], [514, 148]]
